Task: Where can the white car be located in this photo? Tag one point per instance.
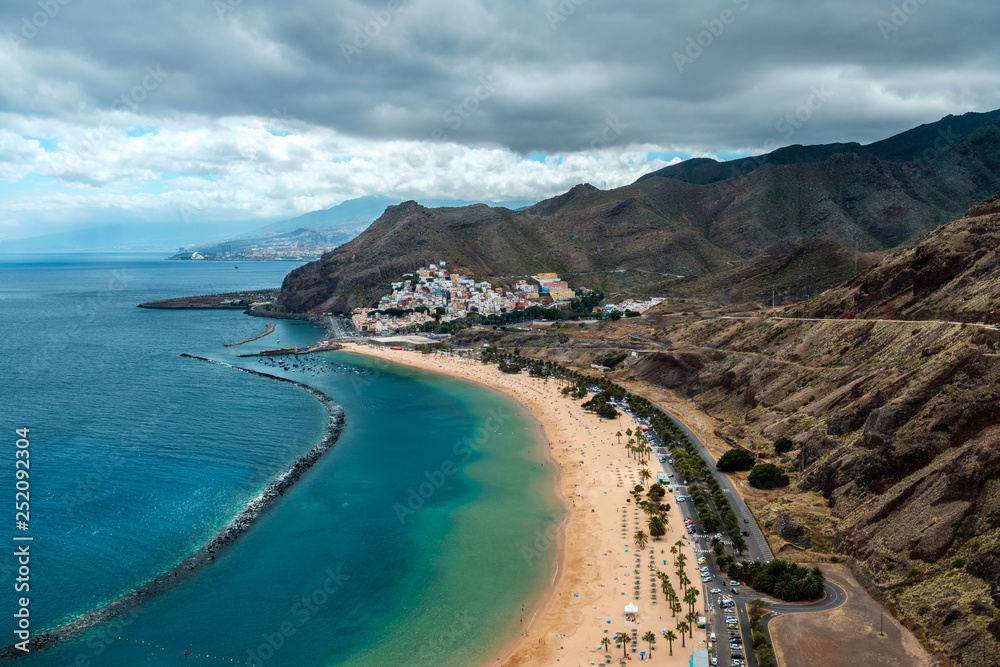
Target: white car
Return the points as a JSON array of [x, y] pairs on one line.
[[715, 591], [706, 579], [734, 583]]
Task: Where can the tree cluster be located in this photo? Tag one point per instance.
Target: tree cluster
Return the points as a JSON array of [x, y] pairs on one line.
[[767, 476], [782, 579], [736, 459]]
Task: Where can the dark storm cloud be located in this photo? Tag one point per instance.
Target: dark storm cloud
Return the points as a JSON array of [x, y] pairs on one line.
[[536, 75]]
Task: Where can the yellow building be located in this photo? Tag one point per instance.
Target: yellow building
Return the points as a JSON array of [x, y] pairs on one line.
[[548, 276]]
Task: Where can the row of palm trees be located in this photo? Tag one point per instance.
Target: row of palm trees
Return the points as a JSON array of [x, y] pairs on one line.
[[689, 596], [625, 639]]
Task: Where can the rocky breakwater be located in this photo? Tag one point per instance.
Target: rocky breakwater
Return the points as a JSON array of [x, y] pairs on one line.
[[128, 604]]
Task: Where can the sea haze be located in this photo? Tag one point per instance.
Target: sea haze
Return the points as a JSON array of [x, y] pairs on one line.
[[139, 455]]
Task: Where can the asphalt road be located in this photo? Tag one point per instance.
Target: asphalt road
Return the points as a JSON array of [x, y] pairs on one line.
[[757, 549], [835, 597], [634, 336]]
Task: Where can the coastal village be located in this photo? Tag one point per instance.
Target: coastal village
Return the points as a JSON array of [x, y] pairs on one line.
[[433, 293]]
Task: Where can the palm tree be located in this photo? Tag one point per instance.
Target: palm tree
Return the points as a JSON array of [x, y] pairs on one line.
[[640, 539], [690, 622], [783, 587], [606, 643], [619, 434], [693, 592], [649, 638], [682, 627], [676, 607], [739, 545], [645, 474], [670, 637], [657, 528], [624, 639]]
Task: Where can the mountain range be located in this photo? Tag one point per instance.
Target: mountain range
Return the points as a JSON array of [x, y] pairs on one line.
[[793, 222], [886, 389]]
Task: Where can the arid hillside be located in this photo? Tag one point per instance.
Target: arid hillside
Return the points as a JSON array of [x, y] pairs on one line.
[[894, 423], [797, 221], [952, 274]]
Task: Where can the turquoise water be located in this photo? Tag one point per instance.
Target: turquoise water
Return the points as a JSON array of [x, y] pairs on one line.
[[403, 545]]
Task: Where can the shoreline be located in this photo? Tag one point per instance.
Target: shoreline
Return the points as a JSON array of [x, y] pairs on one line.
[[191, 564], [592, 578]]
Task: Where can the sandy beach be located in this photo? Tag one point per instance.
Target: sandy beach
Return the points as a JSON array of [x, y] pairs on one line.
[[600, 569]]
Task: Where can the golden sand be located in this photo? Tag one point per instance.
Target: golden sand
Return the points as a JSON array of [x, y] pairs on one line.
[[599, 566]]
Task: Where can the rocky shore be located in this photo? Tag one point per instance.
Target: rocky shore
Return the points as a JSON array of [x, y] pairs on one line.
[[190, 564]]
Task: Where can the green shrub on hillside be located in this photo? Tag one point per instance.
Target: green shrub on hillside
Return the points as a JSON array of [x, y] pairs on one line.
[[735, 459], [767, 476]]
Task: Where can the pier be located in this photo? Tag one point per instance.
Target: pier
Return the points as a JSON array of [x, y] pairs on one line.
[[324, 346]]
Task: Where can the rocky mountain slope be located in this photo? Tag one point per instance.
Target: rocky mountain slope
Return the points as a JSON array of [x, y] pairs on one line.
[[895, 425], [951, 274], [800, 220]]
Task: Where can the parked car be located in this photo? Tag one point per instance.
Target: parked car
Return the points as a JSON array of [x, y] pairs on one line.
[[733, 583], [746, 533]]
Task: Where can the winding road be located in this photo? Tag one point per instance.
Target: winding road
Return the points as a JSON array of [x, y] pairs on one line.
[[634, 336], [757, 549]]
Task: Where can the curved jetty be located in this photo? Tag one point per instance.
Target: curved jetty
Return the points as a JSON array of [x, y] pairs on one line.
[[190, 564], [269, 329]]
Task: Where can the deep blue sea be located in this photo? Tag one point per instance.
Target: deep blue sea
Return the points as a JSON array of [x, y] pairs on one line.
[[402, 546]]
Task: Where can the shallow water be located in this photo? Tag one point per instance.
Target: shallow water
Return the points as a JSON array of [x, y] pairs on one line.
[[403, 545]]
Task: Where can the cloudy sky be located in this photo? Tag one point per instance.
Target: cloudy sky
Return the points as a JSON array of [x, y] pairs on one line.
[[221, 110]]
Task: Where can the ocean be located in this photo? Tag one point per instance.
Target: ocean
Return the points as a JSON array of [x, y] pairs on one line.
[[415, 541]]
